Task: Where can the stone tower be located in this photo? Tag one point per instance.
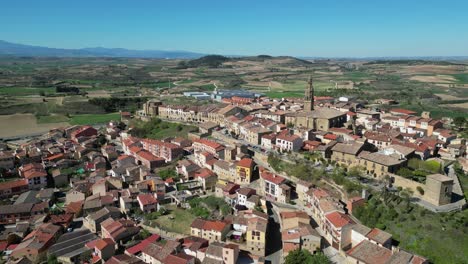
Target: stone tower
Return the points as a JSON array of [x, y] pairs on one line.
[[438, 189], [309, 96]]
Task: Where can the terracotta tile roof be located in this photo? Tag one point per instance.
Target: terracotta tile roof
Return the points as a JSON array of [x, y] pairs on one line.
[[368, 252], [246, 162], [379, 235], [320, 193], [62, 218], [287, 137], [160, 143], [300, 214], [402, 111], [204, 173], [209, 143], [270, 136], [330, 136], [148, 156], [198, 223], [231, 187], [103, 243], [122, 157], [338, 219], [214, 225], [13, 184], [140, 246], [268, 176], [74, 207], [288, 247], [147, 199], [180, 258]]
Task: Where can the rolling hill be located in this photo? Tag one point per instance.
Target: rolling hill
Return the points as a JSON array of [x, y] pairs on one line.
[[14, 49]]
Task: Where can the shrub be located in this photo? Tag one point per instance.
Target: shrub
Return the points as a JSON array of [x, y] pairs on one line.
[[420, 190]]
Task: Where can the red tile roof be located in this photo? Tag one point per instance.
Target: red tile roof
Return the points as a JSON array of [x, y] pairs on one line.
[[338, 219], [320, 193], [148, 156], [246, 163], [285, 215], [55, 157], [268, 176], [204, 173], [288, 247], [147, 199], [74, 207], [287, 137], [211, 144], [35, 173], [180, 258], [103, 243], [330, 136], [403, 111], [160, 143], [13, 184], [214, 225], [140, 246]]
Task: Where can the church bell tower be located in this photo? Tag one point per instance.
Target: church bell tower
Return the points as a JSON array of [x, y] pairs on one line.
[[309, 96]]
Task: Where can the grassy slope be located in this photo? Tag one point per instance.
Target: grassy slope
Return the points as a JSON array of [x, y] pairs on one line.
[[181, 222], [439, 237], [92, 119], [162, 129]]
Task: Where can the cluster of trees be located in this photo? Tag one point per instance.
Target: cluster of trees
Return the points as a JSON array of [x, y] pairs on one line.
[[417, 169], [384, 208], [340, 177], [155, 215], [115, 104], [304, 169], [67, 89], [460, 122], [211, 61], [302, 256], [167, 173], [204, 207]]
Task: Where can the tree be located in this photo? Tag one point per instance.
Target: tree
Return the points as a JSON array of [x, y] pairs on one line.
[[420, 190], [302, 256], [459, 121], [356, 171], [85, 257], [52, 259]]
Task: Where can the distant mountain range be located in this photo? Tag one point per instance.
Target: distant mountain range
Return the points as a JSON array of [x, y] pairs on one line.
[[13, 49]]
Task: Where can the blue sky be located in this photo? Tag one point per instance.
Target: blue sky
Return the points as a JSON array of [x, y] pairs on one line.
[[331, 28]]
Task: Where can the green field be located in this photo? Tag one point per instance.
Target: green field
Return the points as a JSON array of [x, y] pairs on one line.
[[180, 222], [23, 91], [284, 94], [158, 129], [461, 77], [92, 119], [52, 119]]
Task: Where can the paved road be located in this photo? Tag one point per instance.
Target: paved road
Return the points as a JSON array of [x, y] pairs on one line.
[[274, 243]]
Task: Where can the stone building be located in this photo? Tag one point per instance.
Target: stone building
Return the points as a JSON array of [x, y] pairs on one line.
[[438, 189], [318, 119]]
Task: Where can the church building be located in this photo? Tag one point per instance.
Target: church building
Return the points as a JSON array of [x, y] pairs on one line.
[[319, 119]]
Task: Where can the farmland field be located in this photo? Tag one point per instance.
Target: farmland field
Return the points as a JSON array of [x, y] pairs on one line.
[[62, 89], [24, 124]]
